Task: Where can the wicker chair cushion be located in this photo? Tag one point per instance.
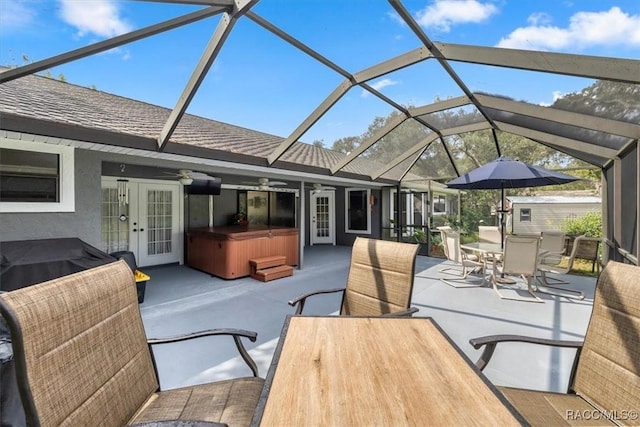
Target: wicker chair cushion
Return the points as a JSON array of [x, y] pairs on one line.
[[545, 409], [608, 375], [380, 277], [68, 326], [232, 402]]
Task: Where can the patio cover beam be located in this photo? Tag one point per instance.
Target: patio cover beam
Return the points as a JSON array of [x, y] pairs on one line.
[[589, 158], [212, 49], [420, 146], [295, 42], [398, 62], [413, 113], [435, 107], [394, 64], [109, 43], [224, 3], [596, 67], [615, 127], [320, 110], [424, 144], [559, 141], [439, 56]]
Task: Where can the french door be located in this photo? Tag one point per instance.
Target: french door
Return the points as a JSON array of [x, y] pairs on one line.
[[323, 230], [142, 216]]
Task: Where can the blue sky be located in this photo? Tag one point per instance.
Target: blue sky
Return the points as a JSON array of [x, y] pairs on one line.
[[260, 82]]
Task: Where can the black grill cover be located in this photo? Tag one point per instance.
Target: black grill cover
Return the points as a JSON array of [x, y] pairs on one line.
[[27, 262]]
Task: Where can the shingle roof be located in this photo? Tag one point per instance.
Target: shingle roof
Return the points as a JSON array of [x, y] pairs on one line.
[[48, 99]]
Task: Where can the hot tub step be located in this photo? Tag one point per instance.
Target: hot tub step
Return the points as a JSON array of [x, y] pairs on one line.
[[272, 273]]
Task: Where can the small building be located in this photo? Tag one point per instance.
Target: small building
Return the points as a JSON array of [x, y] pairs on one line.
[[533, 214]]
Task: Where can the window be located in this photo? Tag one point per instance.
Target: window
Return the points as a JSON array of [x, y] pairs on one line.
[[36, 177], [525, 215], [357, 212], [439, 204]]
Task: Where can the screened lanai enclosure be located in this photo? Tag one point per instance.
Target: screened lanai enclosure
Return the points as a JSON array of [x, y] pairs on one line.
[[411, 143]]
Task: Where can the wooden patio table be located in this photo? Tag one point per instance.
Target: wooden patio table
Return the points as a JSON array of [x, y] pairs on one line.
[[375, 371]]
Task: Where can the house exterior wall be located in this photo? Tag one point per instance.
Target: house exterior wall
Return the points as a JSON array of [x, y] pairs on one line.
[[84, 223], [343, 238], [548, 216]]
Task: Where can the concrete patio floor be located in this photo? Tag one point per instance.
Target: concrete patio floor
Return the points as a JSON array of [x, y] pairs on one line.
[[179, 300]]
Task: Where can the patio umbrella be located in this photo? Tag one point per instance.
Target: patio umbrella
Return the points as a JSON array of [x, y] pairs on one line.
[[508, 173]]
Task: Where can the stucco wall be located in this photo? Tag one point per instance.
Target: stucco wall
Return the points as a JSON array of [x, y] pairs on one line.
[[83, 223]]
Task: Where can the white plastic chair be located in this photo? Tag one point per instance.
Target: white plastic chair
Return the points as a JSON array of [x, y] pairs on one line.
[[520, 258], [465, 262]]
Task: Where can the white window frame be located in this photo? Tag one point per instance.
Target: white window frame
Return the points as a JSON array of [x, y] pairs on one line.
[[67, 178], [346, 211], [525, 217], [433, 205]]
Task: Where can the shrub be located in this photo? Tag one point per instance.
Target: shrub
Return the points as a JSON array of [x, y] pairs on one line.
[[590, 225]]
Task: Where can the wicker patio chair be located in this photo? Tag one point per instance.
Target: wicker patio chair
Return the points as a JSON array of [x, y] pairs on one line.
[[380, 280], [605, 379], [465, 263], [519, 258], [549, 263], [82, 358]]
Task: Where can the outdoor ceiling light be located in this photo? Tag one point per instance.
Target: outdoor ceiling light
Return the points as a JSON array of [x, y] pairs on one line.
[[185, 180]]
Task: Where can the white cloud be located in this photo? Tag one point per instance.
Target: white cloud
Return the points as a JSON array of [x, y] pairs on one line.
[[442, 14], [379, 85], [98, 17], [539, 18], [16, 15], [556, 95], [586, 29]]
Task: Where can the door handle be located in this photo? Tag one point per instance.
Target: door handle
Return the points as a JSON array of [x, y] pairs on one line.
[[142, 229], [134, 230]]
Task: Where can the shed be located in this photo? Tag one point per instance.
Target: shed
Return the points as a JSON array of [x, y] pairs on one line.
[[531, 215]]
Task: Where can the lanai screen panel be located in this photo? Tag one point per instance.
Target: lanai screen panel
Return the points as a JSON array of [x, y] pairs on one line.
[[402, 170], [472, 149], [454, 117], [563, 130], [434, 163], [542, 88], [529, 151], [397, 142]]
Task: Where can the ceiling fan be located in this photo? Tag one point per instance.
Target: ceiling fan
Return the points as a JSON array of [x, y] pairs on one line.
[[186, 176], [265, 183], [319, 187]]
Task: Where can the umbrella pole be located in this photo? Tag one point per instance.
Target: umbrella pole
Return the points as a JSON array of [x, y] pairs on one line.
[[502, 212]]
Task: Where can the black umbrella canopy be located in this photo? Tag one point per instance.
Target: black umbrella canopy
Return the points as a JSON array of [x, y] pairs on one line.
[[508, 173]]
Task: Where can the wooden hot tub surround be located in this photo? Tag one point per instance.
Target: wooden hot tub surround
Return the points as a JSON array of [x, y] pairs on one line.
[[225, 251]]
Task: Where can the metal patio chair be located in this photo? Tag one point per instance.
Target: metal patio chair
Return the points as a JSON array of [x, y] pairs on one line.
[[465, 263], [380, 280], [520, 258], [489, 234], [549, 263], [605, 379], [82, 358]]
